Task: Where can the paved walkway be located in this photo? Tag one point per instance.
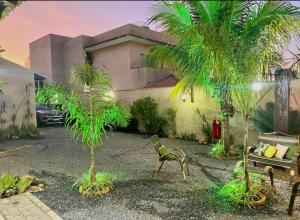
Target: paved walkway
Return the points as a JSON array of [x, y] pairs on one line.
[[25, 206]]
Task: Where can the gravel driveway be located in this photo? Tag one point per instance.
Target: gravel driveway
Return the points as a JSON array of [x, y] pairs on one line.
[[58, 160]]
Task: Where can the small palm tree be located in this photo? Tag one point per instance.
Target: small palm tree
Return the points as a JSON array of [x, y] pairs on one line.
[[224, 45], [214, 37], [90, 108]]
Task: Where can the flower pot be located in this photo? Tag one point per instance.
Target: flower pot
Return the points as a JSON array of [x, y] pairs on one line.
[[260, 202]]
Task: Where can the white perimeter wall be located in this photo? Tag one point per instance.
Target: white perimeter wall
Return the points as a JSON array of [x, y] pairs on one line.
[[16, 78]]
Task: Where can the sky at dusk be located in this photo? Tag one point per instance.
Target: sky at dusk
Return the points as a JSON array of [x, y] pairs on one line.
[[34, 19]]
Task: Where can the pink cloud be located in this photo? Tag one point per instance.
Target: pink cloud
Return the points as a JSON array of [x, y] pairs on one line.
[[34, 19]]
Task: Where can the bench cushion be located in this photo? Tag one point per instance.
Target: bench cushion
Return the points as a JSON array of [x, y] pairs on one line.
[[281, 151], [270, 152], [291, 152], [260, 150]]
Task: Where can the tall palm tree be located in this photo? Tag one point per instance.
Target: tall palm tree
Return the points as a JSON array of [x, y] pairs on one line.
[[90, 108], [6, 6], [214, 37]]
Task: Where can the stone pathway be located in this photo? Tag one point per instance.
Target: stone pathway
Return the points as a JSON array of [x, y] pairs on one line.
[[25, 206]]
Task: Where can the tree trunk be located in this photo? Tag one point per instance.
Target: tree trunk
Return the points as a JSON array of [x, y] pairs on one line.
[[225, 115], [246, 167], [226, 133], [93, 168]]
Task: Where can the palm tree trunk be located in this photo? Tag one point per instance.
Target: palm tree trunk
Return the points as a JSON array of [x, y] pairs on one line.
[[246, 167], [93, 168], [226, 125], [226, 137]]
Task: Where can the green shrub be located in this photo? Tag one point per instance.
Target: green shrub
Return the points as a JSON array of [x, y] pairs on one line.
[[11, 185], [104, 183], [218, 150], [23, 184], [205, 126], [188, 136], [132, 126], [171, 127], [235, 190], [145, 111]]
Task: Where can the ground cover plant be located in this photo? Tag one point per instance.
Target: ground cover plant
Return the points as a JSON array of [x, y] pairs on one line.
[[11, 185], [188, 136], [89, 115]]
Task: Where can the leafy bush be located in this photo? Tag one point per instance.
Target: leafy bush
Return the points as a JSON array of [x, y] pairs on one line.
[[170, 115], [188, 136], [11, 185], [132, 126], [145, 111], [235, 190], [23, 184], [104, 183], [205, 126], [218, 150]]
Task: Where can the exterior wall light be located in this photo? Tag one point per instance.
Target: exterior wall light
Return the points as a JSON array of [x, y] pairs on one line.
[[183, 98], [257, 86]]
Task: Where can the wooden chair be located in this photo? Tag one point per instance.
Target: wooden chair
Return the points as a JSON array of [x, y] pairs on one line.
[[169, 154]]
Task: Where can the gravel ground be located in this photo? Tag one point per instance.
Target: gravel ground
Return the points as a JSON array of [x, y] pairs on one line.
[[58, 161]]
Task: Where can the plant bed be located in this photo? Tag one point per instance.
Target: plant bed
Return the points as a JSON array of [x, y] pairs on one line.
[[219, 153], [235, 191], [102, 186], [257, 194], [12, 185]]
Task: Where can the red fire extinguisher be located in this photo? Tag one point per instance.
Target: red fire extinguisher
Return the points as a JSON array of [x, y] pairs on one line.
[[216, 129]]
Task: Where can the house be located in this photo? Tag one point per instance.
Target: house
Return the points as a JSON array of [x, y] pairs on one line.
[[17, 99], [120, 51]]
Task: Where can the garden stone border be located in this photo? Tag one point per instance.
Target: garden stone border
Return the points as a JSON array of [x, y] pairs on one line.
[[25, 205]]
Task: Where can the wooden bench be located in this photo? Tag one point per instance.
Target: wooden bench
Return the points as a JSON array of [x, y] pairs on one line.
[[294, 194], [274, 139]]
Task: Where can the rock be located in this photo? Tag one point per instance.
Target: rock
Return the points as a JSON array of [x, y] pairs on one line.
[[35, 181], [9, 192], [35, 189]]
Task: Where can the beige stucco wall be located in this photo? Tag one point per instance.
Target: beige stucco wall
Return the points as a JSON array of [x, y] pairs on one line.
[[40, 57], [73, 53], [188, 121], [116, 61], [16, 78], [123, 62], [47, 57]]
